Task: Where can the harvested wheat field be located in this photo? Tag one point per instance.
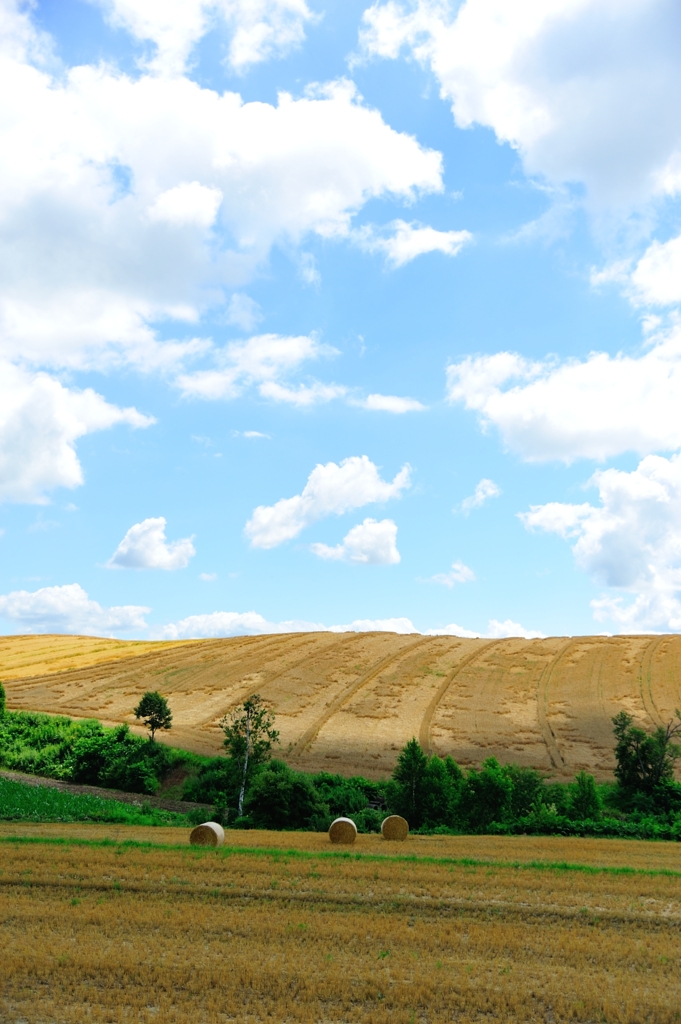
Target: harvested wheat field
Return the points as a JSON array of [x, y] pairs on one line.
[[132, 933], [348, 702]]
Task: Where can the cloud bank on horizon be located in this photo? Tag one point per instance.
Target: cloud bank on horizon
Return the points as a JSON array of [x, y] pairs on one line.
[[232, 255]]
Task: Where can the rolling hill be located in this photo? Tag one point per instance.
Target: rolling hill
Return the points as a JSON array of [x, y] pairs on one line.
[[347, 702]]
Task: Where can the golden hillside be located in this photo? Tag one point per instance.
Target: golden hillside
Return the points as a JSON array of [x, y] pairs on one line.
[[348, 702]]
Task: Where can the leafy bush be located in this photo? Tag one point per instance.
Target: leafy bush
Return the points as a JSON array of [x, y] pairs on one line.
[[585, 803], [486, 796], [282, 798], [216, 782], [84, 752]]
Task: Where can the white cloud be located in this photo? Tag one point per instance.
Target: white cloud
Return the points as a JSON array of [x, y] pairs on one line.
[[68, 609], [656, 279], [259, 29], [228, 624], [459, 573], [304, 394], [109, 194], [631, 542], [330, 490], [40, 422], [397, 625], [407, 241], [262, 362], [368, 543], [188, 204], [499, 630], [495, 631], [484, 490], [243, 311], [595, 408], [585, 90], [217, 624], [145, 547], [391, 403], [253, 433], [208, 577]]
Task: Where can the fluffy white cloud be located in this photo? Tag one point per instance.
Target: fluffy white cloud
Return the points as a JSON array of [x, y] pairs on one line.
[[397, 625], [259, 29], [595, 408], [484, 490], [656, 279], [391, 403], [368, 543], [68, 609], [145, 547], [330, 490], [251, 623], [110, 189], [459, 573], [40, 422], [495, 631], [631, 541], [188, 204], [262, 362], [585, 90], [402, 242]]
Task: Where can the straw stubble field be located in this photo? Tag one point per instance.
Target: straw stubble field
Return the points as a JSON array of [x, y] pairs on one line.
[[264, 933]]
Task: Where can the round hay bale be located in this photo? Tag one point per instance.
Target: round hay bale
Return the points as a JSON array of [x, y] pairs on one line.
[[342, 830], [395, 828], [208, 834]]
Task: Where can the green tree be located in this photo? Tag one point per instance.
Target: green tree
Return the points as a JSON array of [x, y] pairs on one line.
[[441, 784], [3, 700], [154, 710], [282, 798], [528, 789], [249, 735], [645, 761], [585, 802], [487, 795], [409, 777]]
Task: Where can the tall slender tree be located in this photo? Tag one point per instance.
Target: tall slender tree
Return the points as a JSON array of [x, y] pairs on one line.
[[249, 735]]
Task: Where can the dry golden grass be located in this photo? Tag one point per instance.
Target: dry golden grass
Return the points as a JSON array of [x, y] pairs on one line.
[[349, 702], [159, 934], [598, 853]]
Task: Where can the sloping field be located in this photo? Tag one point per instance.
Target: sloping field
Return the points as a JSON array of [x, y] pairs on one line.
[[348, 702]]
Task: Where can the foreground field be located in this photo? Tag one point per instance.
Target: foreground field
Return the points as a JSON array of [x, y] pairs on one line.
[[118, 933], [348, 702]]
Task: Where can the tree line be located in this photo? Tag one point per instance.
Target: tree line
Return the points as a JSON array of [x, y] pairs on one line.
[[249, 787]]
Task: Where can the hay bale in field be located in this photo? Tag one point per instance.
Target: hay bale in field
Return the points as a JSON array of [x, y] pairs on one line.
[[395, 827], [208, 834], [343, 830]]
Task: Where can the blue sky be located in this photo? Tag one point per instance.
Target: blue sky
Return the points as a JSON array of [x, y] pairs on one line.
[[336, 315]]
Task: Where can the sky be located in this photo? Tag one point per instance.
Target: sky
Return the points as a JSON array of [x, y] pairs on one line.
[[322, 314]]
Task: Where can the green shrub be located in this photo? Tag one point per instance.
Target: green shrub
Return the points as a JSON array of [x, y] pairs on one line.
[[216, 782], [3, 700], [282, 798], [585, 803], [486, 796], [84, 752]]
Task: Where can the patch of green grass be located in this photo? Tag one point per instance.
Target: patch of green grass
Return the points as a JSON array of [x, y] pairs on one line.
[[283, 856], [21, 802]]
